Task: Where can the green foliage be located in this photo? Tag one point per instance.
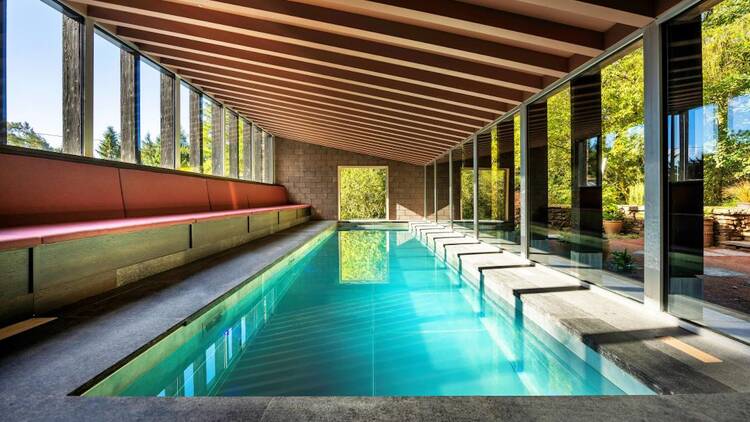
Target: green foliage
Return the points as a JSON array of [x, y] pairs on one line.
[[612, 213], [622, 261], [151, 151], [637, 194], [558, 149], [109, 145], [206, 127], [726, 76], [184, 152], [740, 192], [467, 193], [362, 193], [622, 119], [21, 134], [363, 256]]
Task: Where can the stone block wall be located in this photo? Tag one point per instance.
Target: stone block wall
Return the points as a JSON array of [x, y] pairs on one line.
[[310, 174]]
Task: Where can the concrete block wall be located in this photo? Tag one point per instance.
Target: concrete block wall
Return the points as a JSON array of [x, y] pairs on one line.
[[310, 174]]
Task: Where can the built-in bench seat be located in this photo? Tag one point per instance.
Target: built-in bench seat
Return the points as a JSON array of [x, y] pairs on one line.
[[70, 229]]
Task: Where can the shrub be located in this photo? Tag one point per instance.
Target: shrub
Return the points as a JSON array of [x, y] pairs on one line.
[[612, 213], [622, 261], [740, 192]]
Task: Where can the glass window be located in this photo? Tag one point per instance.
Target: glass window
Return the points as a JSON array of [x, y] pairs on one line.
[[34, 75], [496, 206], [150, 113], [185, 129], [241, 165], [206, 127], [586, 154], [363, 193], [228, 142], [465, 221], [107, 141], [430, 191], [257, 146], [708, 166], [442, 186]]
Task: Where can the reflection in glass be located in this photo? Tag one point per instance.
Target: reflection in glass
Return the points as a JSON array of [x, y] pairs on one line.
[[430, 191], [708, 157], [442, 190], [586, 176], [464, 218], [497, 194], [363, 256]]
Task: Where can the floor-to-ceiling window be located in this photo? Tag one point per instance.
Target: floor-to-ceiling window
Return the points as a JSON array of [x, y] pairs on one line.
[[34, 75], [463, 195], [442, 186], [586, 175], [707, 123], [429, 181], [496, 200]]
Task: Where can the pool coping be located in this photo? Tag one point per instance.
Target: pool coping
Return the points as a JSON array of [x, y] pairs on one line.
[[32, 365], [583, 326]]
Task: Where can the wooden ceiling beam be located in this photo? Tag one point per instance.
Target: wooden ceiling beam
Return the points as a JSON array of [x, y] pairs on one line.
[[344, 24], [209, 80], [342, 138], [632, 13], [438, 86], [293, 103], [475, 21], [323, 140], [248, 104], [372, 136]]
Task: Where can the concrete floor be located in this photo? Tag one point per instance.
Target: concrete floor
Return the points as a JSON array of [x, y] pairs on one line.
[[41, 367]]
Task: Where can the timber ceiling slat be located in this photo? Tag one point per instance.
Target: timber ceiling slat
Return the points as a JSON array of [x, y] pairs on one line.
[[211, 80], [398, 79], [137, 20]]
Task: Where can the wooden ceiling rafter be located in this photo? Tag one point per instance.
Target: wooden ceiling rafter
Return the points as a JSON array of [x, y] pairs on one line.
[[398, 79]]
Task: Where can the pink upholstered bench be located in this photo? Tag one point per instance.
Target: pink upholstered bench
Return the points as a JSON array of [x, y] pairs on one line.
[[49, 200]]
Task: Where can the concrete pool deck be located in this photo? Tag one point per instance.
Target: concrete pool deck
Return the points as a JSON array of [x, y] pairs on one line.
[[39, 368]]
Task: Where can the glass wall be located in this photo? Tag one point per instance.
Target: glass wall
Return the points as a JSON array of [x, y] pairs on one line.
[[708, 165], [150, 113], [586, 173], [463, 194], [34, 75], [430, 189], [106, 98], [496, 201], [442, 187]]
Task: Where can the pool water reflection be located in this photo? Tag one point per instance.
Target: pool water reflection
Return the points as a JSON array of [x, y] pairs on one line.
[[365, 313]]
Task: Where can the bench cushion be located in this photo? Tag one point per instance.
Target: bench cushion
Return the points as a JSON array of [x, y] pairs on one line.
[[43, 191], [148, 193], [266, 195], [30, 236], [226, 195]]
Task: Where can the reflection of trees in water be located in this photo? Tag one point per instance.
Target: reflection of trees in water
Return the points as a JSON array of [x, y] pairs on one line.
[[363, 256]]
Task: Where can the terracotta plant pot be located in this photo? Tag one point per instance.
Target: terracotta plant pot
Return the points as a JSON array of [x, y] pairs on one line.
[[612, 227]]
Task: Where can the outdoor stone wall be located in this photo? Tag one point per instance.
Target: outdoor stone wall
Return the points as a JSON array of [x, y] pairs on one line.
[[730, 224], [310, 174]]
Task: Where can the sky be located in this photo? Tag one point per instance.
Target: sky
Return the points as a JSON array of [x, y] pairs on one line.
[[35, 83]]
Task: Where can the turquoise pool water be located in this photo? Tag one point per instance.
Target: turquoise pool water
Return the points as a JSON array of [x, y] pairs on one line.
[[364, 313]]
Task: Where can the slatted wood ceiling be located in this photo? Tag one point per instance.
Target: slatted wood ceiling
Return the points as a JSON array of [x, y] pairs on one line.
[[399, 79]]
